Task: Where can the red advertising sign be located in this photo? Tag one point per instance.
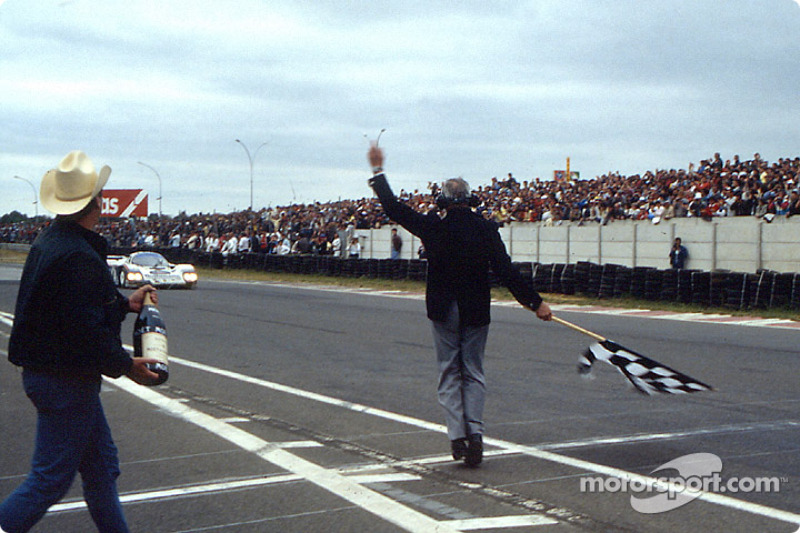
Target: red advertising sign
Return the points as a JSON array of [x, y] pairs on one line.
[[124, 203]]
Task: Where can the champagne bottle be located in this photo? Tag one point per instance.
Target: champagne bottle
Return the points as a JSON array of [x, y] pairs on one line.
[[150, 340]]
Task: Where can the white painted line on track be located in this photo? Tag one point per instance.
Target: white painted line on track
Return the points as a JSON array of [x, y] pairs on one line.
[[710, 497], [225, 486], [191, 490], [299, 444], [7, 318], [649, 437], [359, 408], [235, 420], [330, 480], [683, 317], [532, 451], [501, 522], [761, 322], [699, 318], [383, 478]]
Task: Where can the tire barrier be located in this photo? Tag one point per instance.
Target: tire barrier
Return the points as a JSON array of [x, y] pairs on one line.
[[764, 289]]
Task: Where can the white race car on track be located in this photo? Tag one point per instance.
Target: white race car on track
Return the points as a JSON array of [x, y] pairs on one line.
[[141, 268]]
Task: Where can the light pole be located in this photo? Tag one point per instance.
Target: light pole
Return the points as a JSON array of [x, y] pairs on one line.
[[159, 186], [35, 196], [251, 166]]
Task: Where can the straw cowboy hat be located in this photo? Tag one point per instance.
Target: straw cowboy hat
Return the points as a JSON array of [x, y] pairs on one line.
[[70, 187]]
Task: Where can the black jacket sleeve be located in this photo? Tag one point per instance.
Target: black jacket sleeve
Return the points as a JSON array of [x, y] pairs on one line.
[[415, 222], [509, 274]]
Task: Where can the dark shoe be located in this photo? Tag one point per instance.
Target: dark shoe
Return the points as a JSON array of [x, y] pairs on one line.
[[474, 450], [459, 447]]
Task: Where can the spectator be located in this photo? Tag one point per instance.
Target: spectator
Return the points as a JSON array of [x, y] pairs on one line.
[[794, 203], [304, 244], [274, 243], [678, 254], [195, 241], [255, 242], [397, 244], [354, 251], [244, 244], [212, 243], [230, 246], [285, 247]]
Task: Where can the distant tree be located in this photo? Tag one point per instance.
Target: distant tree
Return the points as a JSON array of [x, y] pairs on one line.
[[13, 217]]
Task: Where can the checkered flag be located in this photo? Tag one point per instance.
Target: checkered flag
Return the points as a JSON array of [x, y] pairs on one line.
[[646, 375]]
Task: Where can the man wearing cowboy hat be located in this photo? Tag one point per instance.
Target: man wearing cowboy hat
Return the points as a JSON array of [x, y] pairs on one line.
[[66, 334]]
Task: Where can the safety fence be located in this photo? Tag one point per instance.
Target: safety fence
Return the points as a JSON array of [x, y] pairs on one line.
[[735, 290]]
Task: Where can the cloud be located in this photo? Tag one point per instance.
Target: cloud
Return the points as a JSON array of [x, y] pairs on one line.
[[476, 91]]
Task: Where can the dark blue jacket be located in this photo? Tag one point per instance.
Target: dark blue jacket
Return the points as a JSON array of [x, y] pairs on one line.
[[460, 249], [677, 258], [69, 313]]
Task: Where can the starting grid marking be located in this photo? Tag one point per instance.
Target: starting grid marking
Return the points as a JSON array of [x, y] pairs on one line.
[[330, 480], [350, 488]]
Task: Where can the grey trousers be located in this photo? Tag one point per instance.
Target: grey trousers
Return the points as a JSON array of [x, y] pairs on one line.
[[462, 387]]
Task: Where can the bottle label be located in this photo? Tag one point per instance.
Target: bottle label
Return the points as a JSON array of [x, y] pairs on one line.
[[154, 346]]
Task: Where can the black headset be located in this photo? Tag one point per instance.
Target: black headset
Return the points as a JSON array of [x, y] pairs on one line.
[[469, 201]]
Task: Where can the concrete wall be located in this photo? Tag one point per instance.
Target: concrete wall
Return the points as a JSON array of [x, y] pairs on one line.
[[376, 243], [740, 244]]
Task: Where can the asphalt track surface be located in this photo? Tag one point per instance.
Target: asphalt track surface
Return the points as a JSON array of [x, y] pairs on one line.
[[298, 409]]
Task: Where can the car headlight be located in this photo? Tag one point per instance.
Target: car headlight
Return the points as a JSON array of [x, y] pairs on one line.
[[190, 277], [135, 276]]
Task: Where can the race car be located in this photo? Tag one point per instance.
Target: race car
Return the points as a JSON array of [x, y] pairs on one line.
[[140, 268]]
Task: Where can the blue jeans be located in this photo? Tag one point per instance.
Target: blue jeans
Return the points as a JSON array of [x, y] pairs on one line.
[[462, 386], [72, 436]]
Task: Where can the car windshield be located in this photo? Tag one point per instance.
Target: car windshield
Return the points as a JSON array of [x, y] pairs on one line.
[[149, 260]]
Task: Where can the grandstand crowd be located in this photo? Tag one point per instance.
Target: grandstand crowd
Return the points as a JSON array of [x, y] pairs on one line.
[[712, 188]]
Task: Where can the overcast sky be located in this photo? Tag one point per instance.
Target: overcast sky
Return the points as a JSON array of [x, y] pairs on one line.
[[472, 88]]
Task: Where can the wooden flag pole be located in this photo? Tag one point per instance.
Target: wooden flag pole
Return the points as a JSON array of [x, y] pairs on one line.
[[579, 329]]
